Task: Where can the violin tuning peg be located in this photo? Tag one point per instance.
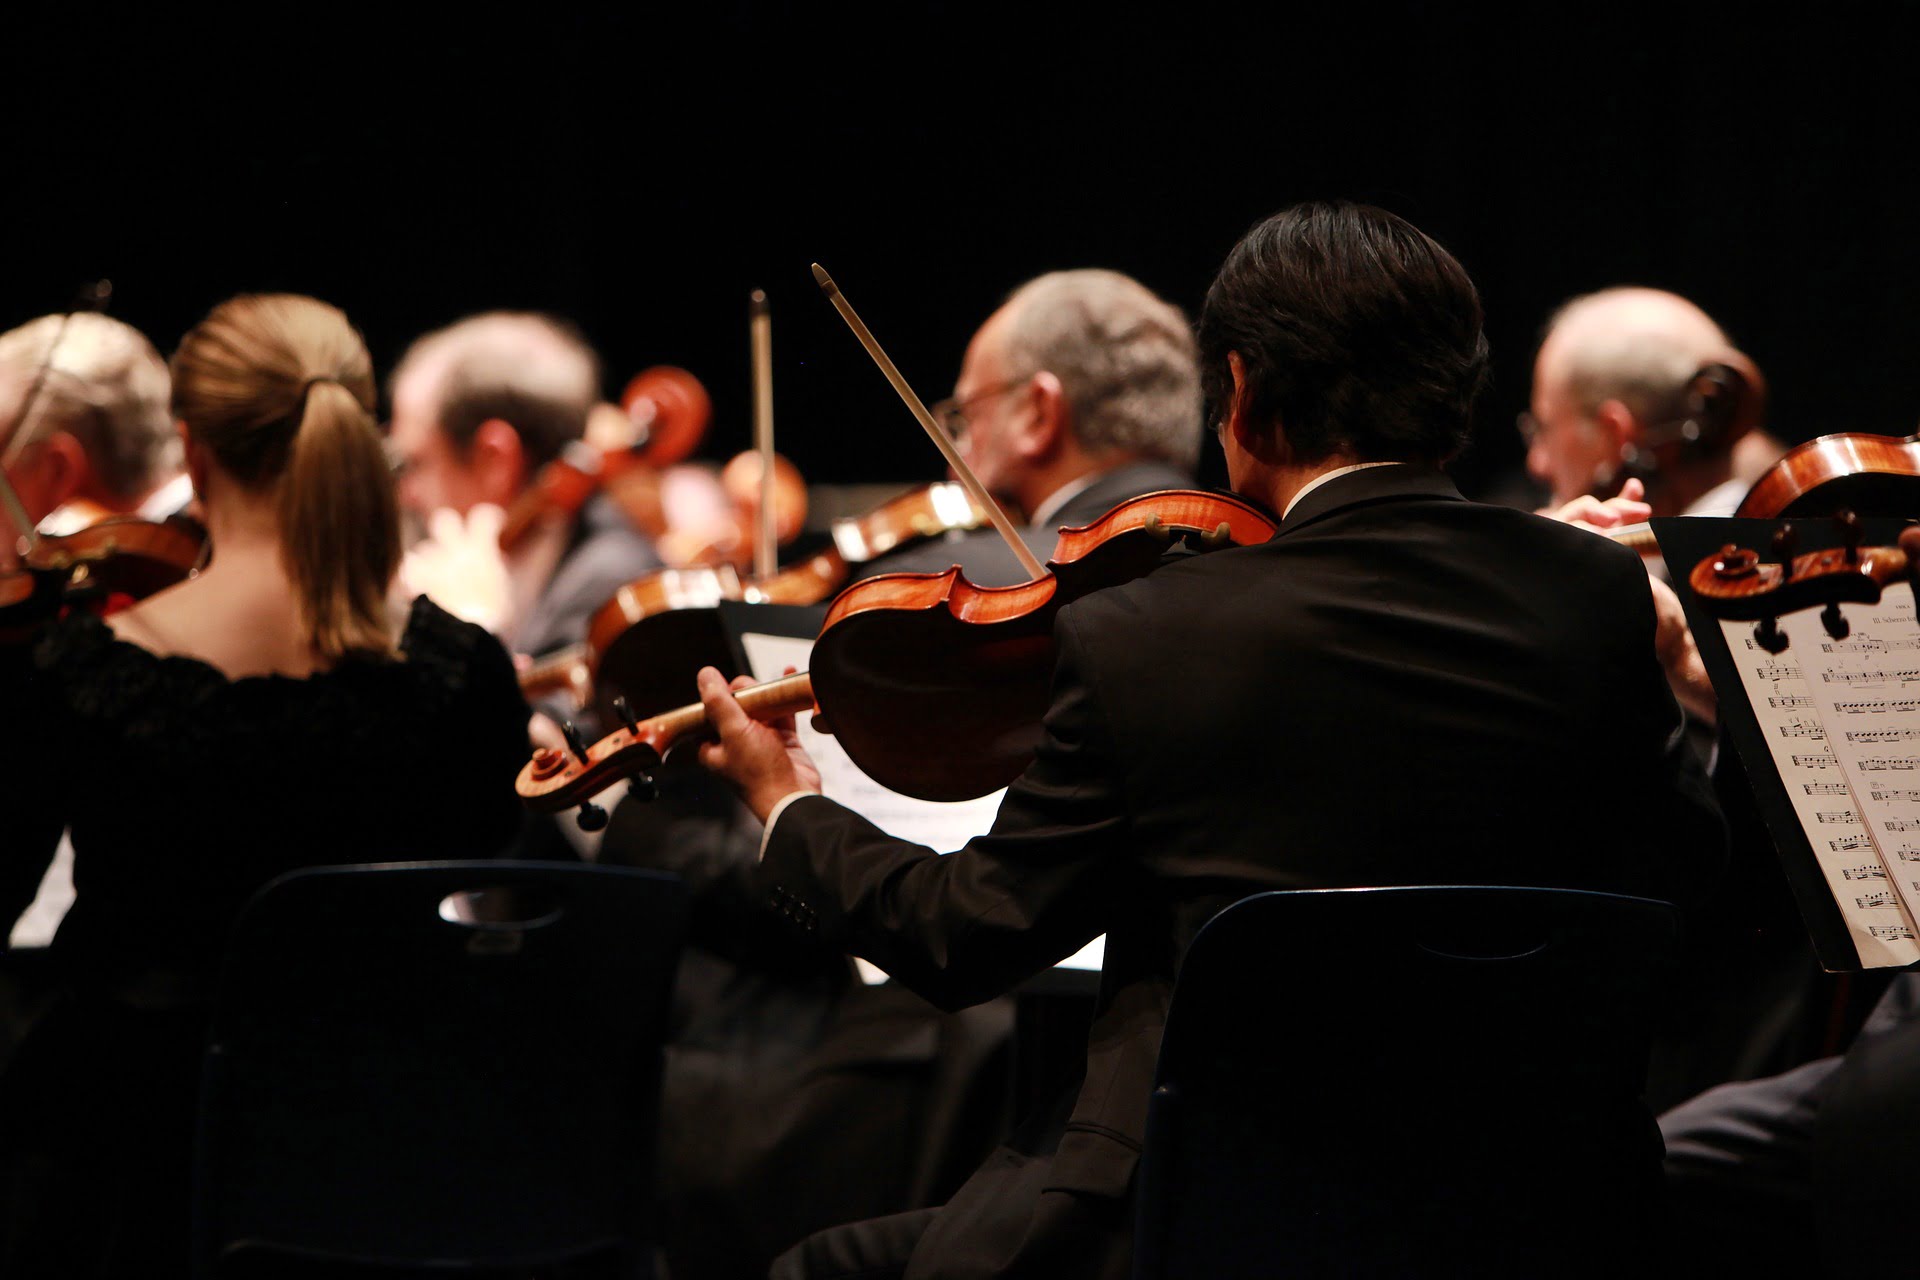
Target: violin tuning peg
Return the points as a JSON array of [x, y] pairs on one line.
[[591, 817], [1852, 534], [643, 787], [577, 743], [621, 709], [1786, 541], [1769, 636], [1834, 622]]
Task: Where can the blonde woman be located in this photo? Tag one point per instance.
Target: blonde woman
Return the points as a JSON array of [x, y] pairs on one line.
[[265, 715]]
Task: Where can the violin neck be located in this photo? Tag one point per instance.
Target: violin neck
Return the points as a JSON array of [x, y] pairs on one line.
[[786, 696], [563, 670]]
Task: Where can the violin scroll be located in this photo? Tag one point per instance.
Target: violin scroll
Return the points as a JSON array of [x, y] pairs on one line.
[[1735, 583]]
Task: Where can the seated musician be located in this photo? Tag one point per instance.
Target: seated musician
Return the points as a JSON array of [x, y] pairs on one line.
[[1078, 393], [217, 734], [1609, 393], [1399, 687], [478, 408], [100, 440]]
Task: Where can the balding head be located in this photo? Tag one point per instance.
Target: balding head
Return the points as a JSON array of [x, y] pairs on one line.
[[1613, 365]]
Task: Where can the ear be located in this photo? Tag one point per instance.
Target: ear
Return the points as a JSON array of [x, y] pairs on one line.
[[1268, 446], [64, 468], [1618, 424], [498, 461], [1049, 427]]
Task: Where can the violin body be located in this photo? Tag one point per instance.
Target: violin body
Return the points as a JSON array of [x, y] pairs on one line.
[[1865, 474], [106, 565], [937, 687]]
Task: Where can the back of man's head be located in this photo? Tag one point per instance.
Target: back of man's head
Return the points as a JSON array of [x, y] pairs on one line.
[[1358, 334], [105, 386], [1124, 358], [534, 372], [1635, 345]]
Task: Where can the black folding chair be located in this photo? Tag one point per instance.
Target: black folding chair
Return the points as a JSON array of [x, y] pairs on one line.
[[445, 1065], [1408, 1082]]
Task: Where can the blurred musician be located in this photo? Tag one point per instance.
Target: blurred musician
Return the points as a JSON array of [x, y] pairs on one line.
[[1399, 687], [100, 440], [478, 408], [1610, 385], [1078, 393], [217, 734]]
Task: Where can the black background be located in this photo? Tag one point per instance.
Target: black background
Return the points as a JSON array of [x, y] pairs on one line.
[[641, 169]]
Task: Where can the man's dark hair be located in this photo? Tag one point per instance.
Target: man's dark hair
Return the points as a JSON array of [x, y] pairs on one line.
[[1357, 331], [532, 371]]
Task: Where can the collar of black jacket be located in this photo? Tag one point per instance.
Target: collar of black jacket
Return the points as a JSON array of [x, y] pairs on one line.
[[1374, 484]]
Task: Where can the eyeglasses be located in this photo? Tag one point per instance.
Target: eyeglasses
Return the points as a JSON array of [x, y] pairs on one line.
[[951, 413]]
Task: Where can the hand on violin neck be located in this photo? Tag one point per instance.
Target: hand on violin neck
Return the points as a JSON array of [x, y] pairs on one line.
[[764, 762]]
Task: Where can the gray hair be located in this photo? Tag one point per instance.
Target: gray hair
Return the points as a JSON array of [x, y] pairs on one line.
[[532, 371], [1125, 359], [1642, 358], [105, 386]]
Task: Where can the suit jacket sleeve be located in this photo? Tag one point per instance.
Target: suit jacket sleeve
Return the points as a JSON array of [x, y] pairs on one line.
[[962, 927]]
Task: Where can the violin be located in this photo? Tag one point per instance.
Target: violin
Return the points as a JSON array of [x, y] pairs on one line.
[[664, 412], [1866, 474], [631, 648], [935, 687]]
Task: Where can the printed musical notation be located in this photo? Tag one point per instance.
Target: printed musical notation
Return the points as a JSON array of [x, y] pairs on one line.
[[1895, 795], [1850, 844], [1874, 901], [1879, 707], [1777, 671], [1824, 788], [1872, 871], [1907, 853], [1868, 644], [1838, 815], [1882, 735], [1904, 675], [1789, 701], [1902, 824], [1881, 764], [1814, 762], [1809, 729], [1891, 932]]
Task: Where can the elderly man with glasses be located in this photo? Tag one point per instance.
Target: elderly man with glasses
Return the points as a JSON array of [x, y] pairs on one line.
[[1080, 392]]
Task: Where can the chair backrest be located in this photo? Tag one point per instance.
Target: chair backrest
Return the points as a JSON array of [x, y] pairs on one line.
[[447, 1062], [1420, 1081]]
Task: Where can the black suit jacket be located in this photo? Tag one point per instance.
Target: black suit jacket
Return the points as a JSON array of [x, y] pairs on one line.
[[1401, 687], [985, 555]]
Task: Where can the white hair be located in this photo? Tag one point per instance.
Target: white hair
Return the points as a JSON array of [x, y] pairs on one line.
[[1125, 359], [1638, 346], [107, 387]]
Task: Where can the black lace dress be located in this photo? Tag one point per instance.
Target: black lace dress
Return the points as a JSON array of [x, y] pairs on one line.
[[185, 792]]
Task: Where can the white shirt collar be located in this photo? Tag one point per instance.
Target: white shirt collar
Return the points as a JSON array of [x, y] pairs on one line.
[[1061, 497], [1334, 474]]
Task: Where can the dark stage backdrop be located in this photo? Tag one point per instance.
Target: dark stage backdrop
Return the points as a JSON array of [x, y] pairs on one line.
[[641, 170]]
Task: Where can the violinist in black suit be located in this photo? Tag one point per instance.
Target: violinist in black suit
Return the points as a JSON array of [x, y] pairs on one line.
[[1399, 687], [1080, 392]]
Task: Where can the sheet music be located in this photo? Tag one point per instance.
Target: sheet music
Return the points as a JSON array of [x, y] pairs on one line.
[[945, 827], [1842, 721]]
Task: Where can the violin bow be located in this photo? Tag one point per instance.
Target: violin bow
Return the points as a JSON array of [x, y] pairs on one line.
[[941, 441], [760, 329]]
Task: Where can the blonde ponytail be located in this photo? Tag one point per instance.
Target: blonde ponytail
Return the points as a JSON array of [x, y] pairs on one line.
[[340, 522], [279, 387]]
